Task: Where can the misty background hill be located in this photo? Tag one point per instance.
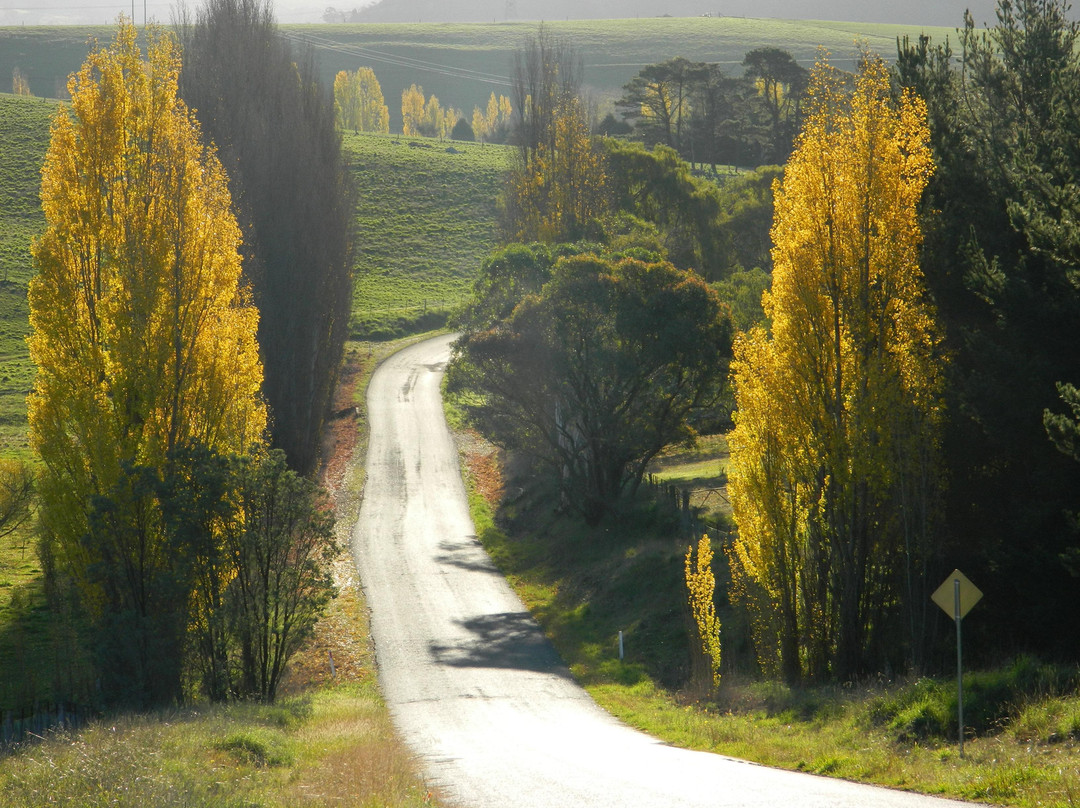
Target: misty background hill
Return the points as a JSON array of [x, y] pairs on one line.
[[913, 12]]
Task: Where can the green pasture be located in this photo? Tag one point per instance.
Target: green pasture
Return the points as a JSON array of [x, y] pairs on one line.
[[464, 63], [426, 218], [24, 137]]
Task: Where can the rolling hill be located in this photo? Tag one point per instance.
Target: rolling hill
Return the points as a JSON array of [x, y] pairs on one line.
[[917, 12], [462, 63]]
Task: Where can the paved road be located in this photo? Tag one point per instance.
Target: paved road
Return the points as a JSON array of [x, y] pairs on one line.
[[472, 683]]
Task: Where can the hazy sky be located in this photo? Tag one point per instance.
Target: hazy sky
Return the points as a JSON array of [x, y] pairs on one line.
[[925, 12]]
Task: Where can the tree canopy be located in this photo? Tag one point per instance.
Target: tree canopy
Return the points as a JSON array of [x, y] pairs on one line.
[[1001, 258], [709, 117], [359, 103], [558, 189], [833, 452], [605, 364], [145, 345], [274, 125]]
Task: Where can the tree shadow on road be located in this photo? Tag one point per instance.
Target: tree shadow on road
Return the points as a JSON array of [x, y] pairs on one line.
[[510, 640], [466, 555]]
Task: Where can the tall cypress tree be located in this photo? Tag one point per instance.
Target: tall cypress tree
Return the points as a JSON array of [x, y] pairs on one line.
[[274, 127]]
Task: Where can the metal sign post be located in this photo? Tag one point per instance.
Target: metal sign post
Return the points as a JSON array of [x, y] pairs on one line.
[[956, 596], [959, 667]]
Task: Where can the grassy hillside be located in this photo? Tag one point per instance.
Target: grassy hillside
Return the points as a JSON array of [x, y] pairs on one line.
[[463, 63], [24, 136], [426, 218]]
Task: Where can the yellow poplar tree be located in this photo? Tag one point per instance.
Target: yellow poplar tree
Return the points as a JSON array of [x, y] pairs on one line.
[[497, 116], [491, 117], [412, 110], [359, 102], [836, 434], [144, 343], [701, 590], [433, 117], [563, 189], [480, 125], [19, 84], [374, 114], [347, 100]]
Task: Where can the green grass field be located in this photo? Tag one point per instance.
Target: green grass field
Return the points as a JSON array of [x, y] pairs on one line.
[[24, 136], [426, 218], [440, 56], [463, 63], [24, 636]]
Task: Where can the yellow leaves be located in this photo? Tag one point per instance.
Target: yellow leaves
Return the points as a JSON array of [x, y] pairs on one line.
[[497, 116], [374, 115], [359, 103], [412, 110], [142, 336], [845, 390], [701, 586], [19, 84], [563, 188], [420, 117]]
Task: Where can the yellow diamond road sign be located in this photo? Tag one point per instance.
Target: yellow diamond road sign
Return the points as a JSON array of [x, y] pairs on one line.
[[945, 596]]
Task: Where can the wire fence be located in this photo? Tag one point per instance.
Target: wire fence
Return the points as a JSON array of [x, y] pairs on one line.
[[423, 306], [691, 525]]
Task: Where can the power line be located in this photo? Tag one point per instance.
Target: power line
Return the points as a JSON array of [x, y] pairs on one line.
[[401, 61], [77, 8]]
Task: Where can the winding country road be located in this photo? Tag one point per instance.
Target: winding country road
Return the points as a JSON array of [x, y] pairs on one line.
[[473, 685]]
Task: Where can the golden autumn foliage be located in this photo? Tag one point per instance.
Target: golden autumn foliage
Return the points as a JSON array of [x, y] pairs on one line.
[[358, 102], [833, 474], [426, 117], [412, 110], [701, 586], [562, 191], [495, 118], [19, 84], [143, 338]]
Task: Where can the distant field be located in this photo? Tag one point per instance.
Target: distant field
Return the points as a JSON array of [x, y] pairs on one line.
[[463, 63], [613, 50]]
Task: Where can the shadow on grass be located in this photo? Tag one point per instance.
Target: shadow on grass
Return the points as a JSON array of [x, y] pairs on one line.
[[41, 655]]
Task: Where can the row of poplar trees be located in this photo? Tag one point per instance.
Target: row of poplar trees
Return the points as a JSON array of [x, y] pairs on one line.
[[902, 414], [188, 317]]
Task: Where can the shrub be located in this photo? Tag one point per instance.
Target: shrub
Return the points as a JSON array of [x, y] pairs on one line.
[[462, 131]]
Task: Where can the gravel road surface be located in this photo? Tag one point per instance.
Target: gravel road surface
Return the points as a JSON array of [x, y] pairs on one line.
[[473, 685]]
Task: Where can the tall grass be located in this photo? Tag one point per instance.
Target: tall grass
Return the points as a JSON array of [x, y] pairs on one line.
[[333, 747]]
